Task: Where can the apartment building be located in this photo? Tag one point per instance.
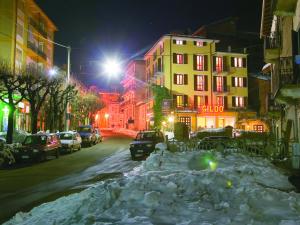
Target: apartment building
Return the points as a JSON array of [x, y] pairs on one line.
[[26, 34], [26, 38], [208, 88], [133, 105], [280, 24]]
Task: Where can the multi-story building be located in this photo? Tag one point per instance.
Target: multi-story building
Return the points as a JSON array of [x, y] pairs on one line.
[[26, 38], [208, 88], [133, 105], [109, 115], [280, 24], [26, 34]]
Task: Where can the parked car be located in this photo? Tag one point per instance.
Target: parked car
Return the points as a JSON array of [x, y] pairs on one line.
[[37, 147], [144, 143], [70, 141], [212, 142], [98, 134], [87, 134]]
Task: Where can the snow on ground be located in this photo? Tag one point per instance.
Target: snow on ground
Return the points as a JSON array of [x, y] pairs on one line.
[[185, 188]]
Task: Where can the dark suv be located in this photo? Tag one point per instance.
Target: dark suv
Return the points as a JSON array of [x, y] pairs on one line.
[[87, 134], [37, 147], [144, 143]]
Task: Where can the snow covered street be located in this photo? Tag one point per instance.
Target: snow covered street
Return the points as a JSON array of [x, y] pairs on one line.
[[185, 188]]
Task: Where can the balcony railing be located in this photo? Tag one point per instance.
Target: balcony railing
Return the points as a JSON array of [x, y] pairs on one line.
[[34, 48], [272, 47], [39, 28], [286, 71]]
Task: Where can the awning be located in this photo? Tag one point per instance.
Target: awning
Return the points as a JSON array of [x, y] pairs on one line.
[[267, 68]]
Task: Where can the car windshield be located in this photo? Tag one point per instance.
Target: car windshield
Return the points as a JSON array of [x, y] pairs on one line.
[[85, 129], [41, 139], [145, 136], [66, 136]]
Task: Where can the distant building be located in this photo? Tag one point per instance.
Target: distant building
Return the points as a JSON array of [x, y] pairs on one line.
[[209, 89], [133, 104], [109, 115]]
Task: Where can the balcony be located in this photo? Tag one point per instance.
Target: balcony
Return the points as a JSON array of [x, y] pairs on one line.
[[38, 51], [186, 109], [285, 7], [39, 28], [272, 48]]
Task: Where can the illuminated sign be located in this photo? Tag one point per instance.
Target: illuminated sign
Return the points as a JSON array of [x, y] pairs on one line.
[[212, 109]]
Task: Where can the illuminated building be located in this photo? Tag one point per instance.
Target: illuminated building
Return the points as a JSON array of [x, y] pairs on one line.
[[208, 88], [26, 35], [133, 104]]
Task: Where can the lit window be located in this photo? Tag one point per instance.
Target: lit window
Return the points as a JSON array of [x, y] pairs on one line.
[[200, 83], [238, 62], [179, 58], [179, 42], [219, 84], [258, 128], [200, 101], [179, 79], [220, 101], [219, 64], [200, 62], [179, 100], [239, 102], [238, 82], [199, 43]]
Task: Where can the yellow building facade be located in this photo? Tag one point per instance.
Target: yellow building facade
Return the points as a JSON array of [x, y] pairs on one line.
[[208, 88], [26, 35]]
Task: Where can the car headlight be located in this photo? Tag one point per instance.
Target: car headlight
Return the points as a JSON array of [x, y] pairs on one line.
[[35, 150], [149, 145]]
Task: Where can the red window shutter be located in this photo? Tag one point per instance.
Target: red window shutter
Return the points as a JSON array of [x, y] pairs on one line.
[[195, 101], [195, 42], [174, 58], [184, 42], [195, 62], [174, 41], [244, 62], [244, 82], [185, 79], [225, 102], [195, 82], [214, 83], [205, 83], [204, 43], [233, 101], [185, 59], [175, 78], [206, 100], [245, 101], [232, 81], [224, 63], [205, 62]]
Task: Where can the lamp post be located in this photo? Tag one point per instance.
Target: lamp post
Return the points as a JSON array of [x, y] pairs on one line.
[[68, 82]]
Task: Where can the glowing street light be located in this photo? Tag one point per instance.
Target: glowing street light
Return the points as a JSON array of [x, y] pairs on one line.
[[171, 119], [53, 72], [112, 67], [106, 115]]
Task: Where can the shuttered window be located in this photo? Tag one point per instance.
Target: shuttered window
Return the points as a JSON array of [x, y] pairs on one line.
[[238, 101], [200, 100], [180, 58], [180, 79], [200, 83]]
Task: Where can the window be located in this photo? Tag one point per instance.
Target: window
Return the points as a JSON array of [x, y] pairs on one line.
[[238, 62], [179, 101], [20, 29], [199, 43], [219, 64], [220, 84], [179, 42], [199, 83], [19, 56], [180, 79], [186, 120], [238, 101], [200, 62], [239, 82], [258, 128], [180, 58], [200, 100], [220, 101]]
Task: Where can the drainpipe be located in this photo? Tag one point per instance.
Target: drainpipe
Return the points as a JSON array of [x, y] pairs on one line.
[[296, 123]]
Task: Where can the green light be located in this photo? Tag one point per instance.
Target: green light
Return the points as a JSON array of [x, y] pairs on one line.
[[213, 165], [228, 184], [208, 161]]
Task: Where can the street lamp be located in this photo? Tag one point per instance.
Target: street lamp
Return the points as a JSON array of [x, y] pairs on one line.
[[111, 67]]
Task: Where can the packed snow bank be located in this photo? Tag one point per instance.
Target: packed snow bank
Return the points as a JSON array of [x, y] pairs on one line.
[[186, 188], [131, 133]]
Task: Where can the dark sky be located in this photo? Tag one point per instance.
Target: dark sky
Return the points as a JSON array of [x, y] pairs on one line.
[[97, 28]]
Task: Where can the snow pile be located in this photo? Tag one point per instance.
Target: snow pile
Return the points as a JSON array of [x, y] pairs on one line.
[[186, 188], [131, 133], [18, 135]]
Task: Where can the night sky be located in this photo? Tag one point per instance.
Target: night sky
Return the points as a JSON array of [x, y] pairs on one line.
[[99, 28]]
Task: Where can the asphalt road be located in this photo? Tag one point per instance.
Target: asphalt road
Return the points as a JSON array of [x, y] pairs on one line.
[[23, 188]]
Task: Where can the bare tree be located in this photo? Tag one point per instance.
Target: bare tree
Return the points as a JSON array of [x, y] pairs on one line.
[[11, 93]]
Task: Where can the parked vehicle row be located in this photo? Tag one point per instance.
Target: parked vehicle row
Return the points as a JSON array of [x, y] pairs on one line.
[[38, 147]]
